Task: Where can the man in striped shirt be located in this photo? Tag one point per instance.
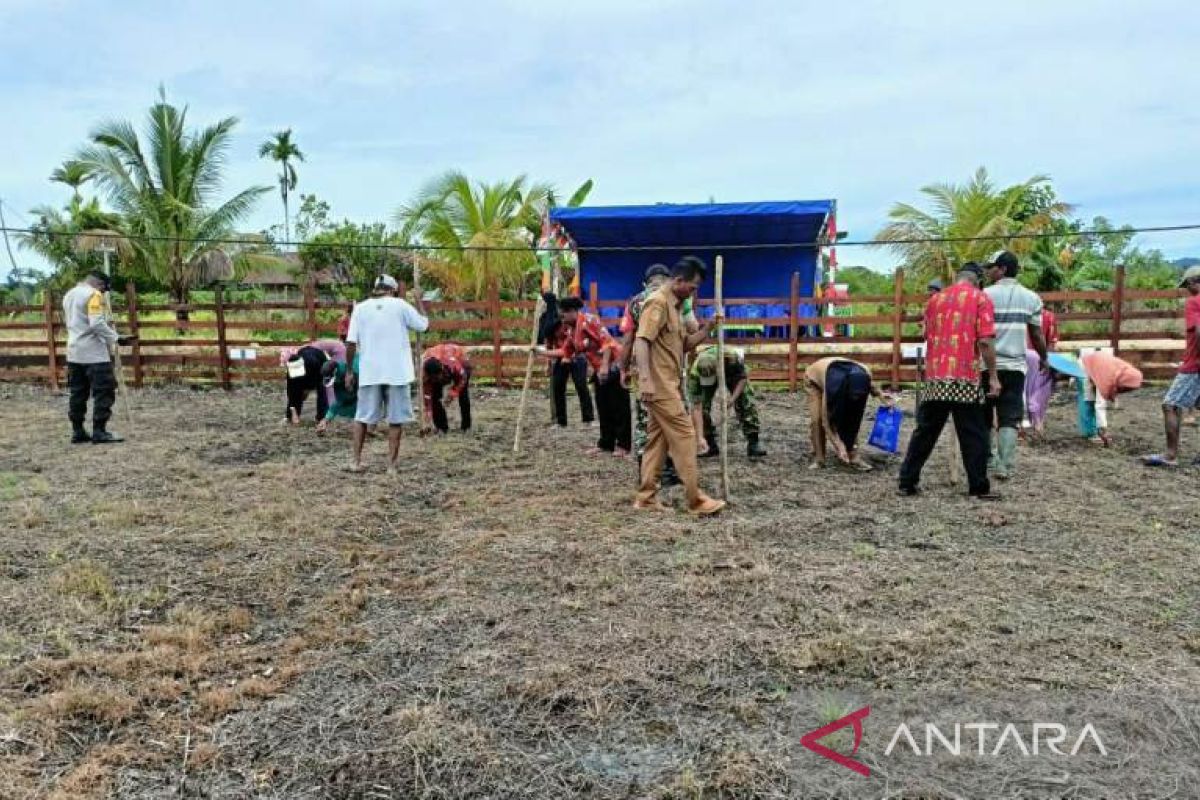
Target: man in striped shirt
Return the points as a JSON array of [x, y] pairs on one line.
[[1018, 319]]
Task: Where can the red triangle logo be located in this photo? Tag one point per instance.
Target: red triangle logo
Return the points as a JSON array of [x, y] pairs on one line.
[[854, 718]]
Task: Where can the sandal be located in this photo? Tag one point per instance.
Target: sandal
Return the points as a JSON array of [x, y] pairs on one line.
[[1157, 460]]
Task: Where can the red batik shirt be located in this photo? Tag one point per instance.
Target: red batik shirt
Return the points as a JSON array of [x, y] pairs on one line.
[[955, 320], [456, 370], [591, 339], [1049, 330]]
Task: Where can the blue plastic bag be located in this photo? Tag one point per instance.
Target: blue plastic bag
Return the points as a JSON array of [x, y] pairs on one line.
[[886, 432]]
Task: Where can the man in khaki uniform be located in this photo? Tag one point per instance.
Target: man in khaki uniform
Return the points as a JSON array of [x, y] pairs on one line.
[[661, 342]]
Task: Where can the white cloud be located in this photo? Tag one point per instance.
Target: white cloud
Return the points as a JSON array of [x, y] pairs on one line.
[[863, 102]]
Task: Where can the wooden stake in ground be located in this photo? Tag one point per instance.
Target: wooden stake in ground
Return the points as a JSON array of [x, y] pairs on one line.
[[118, 377], [722, 389], [420, 367], [537, 316]]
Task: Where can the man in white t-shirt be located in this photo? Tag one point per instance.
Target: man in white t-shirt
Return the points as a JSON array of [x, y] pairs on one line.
[[378, 334]]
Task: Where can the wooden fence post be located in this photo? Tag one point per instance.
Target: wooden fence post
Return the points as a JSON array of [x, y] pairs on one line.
[[1118, 309], [310, 306], [51, 346], [794, 333], [593, 297], [897, 326], [131, 314], [222, 348], [497, 351]]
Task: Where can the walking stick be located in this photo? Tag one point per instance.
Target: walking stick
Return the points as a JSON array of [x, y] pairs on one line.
[[118, 377], [537, 314], [722, 389]]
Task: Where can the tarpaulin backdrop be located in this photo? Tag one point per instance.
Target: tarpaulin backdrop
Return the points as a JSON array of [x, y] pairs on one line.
[[704, 230]]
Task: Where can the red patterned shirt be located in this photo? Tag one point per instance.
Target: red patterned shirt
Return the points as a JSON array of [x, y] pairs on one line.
[[456, 370], [955, 320], [1049, 330], [591, 339]]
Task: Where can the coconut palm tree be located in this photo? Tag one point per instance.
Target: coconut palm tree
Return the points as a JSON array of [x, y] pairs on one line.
[[281, 148], [74, 174], [970, 222], [164, 190], [455, 214]]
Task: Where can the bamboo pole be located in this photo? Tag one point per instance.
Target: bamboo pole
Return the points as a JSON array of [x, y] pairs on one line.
[[51, 347], [537, 315], [417, 352], [1118, 309], [722, 389]]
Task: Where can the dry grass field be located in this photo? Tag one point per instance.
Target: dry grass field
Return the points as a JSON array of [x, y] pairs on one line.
[[214, 609]]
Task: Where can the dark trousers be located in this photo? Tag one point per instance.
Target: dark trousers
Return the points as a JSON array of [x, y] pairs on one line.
[[612, 405], [298, 388], [97, 380], [1007, 410], [464, 405], [576, 370], [970, 423]]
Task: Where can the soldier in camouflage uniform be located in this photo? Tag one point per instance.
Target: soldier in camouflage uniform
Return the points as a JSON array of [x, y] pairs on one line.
[[702, 388], [656, 275]]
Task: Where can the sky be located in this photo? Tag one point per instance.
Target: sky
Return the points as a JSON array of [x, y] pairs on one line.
[[656, 101]]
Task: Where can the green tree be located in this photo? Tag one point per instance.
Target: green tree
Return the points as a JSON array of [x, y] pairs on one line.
[[164, 191], [73, 174], [280, 148], [962, 217], [355, 253], [453, 214], [72, 239]]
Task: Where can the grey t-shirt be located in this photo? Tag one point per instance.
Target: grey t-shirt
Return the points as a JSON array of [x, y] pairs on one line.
[[89, 333], [1016, 309]]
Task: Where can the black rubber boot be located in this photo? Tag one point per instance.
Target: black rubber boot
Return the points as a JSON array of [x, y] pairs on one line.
[[80, 436], [753, 448], [102, 436]]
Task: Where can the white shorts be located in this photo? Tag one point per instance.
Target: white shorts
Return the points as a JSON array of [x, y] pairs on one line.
[[372, 400]]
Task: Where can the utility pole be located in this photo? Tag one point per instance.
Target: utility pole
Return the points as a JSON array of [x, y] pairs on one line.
[[7, 246]]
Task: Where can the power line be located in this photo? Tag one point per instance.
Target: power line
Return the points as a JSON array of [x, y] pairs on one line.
[[618, 248]]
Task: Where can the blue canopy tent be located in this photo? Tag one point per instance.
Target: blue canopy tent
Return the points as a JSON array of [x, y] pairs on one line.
[[762, 243]]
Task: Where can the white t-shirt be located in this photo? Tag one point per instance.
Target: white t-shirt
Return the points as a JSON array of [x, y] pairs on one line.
[[379, 328]]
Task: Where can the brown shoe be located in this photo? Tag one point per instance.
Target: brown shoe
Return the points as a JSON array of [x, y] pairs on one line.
[[650, 505], [707, 507]]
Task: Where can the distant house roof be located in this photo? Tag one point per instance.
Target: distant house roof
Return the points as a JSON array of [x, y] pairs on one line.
[[286, 275]]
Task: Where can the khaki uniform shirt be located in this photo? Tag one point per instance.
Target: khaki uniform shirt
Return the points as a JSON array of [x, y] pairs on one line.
[[661, 324]]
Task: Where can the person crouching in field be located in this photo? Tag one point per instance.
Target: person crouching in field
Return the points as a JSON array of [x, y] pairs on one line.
[[590, 340], [378, 335], [702, 388], [446, 368], [661, 342], [303, 367], [345, 400], [1107, 377], [837, 391]]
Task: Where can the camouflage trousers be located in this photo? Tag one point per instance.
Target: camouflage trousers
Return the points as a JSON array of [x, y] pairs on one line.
[[745, 407]]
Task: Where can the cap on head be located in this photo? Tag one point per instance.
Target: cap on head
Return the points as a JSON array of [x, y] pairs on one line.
[[656, 271], [1006, 261], [386, 283], [973, 268], [1190, 274], [934, 285]]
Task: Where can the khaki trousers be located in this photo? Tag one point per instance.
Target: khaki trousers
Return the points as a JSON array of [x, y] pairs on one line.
[[669, 430]]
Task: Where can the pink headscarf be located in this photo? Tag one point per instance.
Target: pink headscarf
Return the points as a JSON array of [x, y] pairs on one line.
[[1111, 374]]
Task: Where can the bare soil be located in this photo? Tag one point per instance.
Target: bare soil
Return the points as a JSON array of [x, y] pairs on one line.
[[215, 609]]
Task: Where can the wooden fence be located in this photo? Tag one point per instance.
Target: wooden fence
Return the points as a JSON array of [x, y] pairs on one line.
[[781, 334]]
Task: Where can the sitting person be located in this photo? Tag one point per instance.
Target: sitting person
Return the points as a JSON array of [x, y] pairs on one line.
[[446, 365]]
